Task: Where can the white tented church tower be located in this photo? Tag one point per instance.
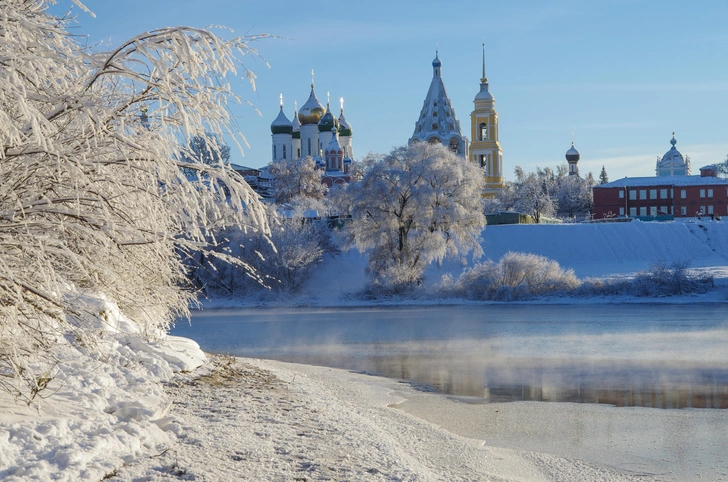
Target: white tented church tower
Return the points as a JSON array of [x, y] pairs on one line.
[[437, 123]]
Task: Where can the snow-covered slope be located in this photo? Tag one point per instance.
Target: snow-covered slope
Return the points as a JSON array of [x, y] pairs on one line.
[[591, 250]]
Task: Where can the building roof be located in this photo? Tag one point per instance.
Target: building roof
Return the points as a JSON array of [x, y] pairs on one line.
[[664, 181]]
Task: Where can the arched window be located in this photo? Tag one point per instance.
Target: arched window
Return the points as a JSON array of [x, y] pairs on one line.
[[299, 152], [434, 126], [434, 114], [483, 131], [309, 147], [274, 152], [454, 144], [284, 152]]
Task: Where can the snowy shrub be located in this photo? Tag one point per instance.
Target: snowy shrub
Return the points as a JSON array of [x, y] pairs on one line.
[[660, 280], [516, 276], [92, 196]]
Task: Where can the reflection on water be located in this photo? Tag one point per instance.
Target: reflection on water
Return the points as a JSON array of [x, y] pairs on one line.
[[650, 356]]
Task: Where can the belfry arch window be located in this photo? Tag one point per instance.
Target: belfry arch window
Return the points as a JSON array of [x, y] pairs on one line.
[[483, 132], [434, 126], [454, 144], [284, 152], [309, 147], [434, 114]]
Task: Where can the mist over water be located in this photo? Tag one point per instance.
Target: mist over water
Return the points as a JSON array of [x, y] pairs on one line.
[[663, 356]]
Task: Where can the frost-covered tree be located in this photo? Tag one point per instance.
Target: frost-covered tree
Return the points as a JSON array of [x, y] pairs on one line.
[[92, 198], [532, 197], [208, 150], [574, 196], [296, 177], [419, 203]]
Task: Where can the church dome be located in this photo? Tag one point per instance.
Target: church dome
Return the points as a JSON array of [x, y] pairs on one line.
[[673, 157], [436, 62], [572, 155], [312, 110], [344, 126], [328, 121], [296, 124], [484, 93], [281, 125]]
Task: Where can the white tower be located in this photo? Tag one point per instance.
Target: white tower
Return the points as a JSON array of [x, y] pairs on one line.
[[281, 132]]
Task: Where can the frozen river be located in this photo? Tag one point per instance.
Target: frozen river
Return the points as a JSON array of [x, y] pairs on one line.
[[664, 356]]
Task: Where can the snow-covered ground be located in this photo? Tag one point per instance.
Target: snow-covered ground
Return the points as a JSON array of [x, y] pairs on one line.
[[108, 413]]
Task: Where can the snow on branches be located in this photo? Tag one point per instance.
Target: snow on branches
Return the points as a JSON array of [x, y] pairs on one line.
[[418, 204], [92, 196]]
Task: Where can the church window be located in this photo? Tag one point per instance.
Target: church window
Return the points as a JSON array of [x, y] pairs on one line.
[[483, 131], [434, 140], [434, 114], [299, 152], [434, 126], [482, 160], [419, 128], [447, 113], [435, 104], [309, 147], [284, 152], [451, 126], [274, 152]]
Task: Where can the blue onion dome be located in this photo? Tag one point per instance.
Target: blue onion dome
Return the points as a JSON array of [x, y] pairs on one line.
[[296, 125], [572, 155], [436, 62], [328, 121], [281, 125], [344, 126], [312, 110]]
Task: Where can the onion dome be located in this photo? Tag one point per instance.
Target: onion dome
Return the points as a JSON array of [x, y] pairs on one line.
[[312, 110], [281, 125], [296, 125], [344, 126], [436, 62], [572, 155], [334, 145], [328, 121]]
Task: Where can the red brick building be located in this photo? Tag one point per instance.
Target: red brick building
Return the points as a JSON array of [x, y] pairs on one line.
[[678, 196]]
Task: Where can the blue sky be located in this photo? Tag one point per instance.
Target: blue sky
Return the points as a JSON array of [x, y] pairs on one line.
[[623, 74]]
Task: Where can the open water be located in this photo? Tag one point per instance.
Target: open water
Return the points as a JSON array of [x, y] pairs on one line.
[[663, 356]]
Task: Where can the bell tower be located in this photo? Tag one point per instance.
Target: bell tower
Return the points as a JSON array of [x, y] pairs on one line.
[[485, 149]]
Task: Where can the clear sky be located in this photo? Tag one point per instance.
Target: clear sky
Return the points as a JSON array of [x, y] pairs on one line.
[[623, 74]]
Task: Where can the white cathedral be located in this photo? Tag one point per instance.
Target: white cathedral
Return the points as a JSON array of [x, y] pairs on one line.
[[315, 132]]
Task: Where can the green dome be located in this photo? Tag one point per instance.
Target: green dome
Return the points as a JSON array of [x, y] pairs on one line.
[[281, 125], [328, 121]]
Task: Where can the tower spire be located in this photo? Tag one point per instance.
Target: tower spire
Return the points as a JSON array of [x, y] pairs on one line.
[[281, 97], [484, 78], [312, 78]]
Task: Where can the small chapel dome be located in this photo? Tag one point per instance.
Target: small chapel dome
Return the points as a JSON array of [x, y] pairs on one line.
[[281, 125], [345, 128], [572, 155], [296, 125], [312, 110], [436, 62], [673, 162], [328, 121]]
